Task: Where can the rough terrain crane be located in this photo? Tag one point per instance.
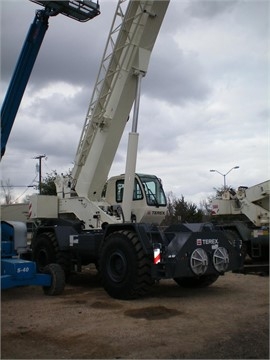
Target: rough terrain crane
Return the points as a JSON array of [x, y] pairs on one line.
[[116, 226], [253, 202], [15, 269]]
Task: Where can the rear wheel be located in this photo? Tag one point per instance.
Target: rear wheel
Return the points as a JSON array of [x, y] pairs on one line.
[[196, 282], [58, 279], [46, 251], [124, 266]]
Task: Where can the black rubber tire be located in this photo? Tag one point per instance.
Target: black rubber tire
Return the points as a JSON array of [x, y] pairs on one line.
[[194, 282], [124, 267], [46, 251], [233, 235], [58, 280]]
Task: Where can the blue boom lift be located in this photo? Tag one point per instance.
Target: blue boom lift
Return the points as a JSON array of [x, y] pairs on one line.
[[81, 10], [16, 270]]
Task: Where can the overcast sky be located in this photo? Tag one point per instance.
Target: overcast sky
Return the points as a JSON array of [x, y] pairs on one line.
[[204, 103]]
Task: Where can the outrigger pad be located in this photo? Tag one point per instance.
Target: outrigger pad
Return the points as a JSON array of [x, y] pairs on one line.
[[81, 10]]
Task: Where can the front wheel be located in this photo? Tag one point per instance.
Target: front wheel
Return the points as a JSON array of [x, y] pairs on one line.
[[124, 266], [196, 282]]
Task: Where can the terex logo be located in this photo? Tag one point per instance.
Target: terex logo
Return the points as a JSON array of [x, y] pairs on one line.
[[207, 242], [158, 212]]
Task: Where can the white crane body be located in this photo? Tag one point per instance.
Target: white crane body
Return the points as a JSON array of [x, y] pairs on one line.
[[125, 62], [114, 96], [116, 226], [251, 201]]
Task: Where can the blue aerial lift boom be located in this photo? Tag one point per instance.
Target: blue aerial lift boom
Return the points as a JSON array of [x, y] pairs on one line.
[[15, 269], [81, 10]]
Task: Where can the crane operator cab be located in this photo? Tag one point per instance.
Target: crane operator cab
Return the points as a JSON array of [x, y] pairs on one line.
[[149, 203]]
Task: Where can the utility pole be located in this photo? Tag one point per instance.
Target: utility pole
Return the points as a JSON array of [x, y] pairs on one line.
[[39, 157]]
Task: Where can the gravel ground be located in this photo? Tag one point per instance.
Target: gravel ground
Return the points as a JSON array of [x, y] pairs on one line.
[[228, 320]]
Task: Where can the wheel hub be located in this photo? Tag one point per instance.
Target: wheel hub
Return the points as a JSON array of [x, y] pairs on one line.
[[116, 266], [199, 261], [221, 259]]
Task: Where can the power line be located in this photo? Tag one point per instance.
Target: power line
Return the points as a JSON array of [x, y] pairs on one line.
[[26, 189], [20, 195], [25, 186], [16, 186]]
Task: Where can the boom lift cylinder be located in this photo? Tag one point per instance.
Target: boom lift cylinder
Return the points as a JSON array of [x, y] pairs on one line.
[[132, 155]]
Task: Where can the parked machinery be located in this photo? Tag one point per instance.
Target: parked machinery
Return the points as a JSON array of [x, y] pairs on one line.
[[116, 226], [15, 269], [253, 202]]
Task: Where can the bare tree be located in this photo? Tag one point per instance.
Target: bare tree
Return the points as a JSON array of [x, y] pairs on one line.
[[205, 207], [6, 191]]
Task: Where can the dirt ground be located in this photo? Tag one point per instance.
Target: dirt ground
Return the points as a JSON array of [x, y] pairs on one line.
[[229, 320]]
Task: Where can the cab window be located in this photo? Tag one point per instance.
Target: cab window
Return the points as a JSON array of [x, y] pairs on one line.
[[137, 193]]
